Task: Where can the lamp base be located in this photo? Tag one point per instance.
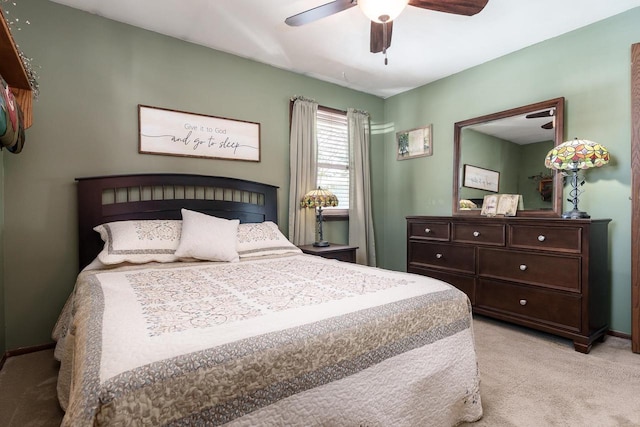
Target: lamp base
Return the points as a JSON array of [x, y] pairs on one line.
[[321, 244], [575, 214]]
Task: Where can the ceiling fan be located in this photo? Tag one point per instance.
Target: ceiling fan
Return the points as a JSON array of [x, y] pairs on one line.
[[545, 113], [383, 12]]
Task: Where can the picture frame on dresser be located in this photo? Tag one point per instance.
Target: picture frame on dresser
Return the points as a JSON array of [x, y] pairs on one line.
[[501, 204]]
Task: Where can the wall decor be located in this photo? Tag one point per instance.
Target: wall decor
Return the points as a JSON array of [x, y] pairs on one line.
[[178, 133], [480, 178], [501, 204], [11, 120], [414, 143]]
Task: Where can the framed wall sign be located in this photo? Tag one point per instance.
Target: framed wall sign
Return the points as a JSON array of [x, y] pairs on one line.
[[414, 143], [480, 178], [178, 133]]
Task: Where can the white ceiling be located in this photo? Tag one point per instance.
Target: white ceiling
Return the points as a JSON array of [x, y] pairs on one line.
[[518, 129], [426, 45]]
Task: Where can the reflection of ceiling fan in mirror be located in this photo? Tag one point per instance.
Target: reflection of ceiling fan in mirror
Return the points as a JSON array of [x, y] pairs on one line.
[[383, 12], [545, 113]]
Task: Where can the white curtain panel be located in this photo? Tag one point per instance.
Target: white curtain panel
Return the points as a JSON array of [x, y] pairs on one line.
[[302, 150], [360, 216]]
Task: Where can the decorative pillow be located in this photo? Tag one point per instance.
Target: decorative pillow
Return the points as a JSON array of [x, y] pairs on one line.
[[139, 241], [207, 237], [263, 238]]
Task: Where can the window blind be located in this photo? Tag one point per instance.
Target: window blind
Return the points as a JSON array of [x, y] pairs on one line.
[[333, 155]]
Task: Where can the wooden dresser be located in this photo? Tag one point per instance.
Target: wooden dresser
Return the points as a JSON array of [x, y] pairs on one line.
[[547, 274]]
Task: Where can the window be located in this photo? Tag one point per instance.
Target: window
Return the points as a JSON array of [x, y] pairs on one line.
[[333, 155]]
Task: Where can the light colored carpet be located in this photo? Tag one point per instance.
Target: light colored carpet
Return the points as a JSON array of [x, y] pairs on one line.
[[28, 391], [534, 379], [527, 379]]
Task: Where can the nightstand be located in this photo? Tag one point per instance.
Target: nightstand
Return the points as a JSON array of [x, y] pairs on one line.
[[340, 252]]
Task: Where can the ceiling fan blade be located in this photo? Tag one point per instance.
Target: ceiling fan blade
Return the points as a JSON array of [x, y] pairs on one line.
[[377, 36], [547, 125], [458, 7], [545, 113], [319, 12]]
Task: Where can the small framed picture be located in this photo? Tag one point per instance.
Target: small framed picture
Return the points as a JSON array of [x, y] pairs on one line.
[[414, 143], [501, 204], [490, 205], [508, 204]]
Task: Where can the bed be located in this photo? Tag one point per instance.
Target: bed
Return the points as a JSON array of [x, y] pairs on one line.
[[217, 328]]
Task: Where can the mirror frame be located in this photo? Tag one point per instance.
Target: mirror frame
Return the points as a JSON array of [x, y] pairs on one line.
[[558, 104]]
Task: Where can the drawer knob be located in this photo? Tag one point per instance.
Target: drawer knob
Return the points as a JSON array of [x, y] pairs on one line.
[[523, 267], [476, 233], [427, 230], [438, 256], [523, 302], [541, 238]]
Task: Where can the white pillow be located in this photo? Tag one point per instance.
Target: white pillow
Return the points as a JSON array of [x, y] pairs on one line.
[[207, 237], [139, 241], [263, 238]]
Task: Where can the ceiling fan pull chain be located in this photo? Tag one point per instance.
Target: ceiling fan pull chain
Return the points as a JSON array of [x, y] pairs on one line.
[[384, 42]]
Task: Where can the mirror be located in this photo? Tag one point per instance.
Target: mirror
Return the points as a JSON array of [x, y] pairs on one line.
[[504, 153]]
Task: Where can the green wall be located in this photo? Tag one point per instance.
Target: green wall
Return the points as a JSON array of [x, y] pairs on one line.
[[515, 162], [590, 67], [488, 152], [532, 164], [93, 74]]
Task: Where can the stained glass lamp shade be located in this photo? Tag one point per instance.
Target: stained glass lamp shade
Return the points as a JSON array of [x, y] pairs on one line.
[[319, 199], [574, 156]]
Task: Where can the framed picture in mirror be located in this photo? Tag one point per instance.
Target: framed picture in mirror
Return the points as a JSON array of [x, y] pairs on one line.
[[481, 178]]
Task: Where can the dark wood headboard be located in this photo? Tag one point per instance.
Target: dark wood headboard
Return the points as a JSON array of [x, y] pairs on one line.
[[161, 196]]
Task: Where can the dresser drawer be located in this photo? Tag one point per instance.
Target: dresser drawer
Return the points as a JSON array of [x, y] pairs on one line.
[[466, 284], [561, 239], [430, 230], [539, 305], [437, 255], [552, 271], [484, 234]]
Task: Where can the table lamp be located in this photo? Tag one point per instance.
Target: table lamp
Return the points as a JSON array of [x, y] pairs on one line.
[[319, 199], [573, 156]]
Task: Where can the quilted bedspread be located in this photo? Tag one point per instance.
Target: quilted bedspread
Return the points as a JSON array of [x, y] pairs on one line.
[[290, 340]]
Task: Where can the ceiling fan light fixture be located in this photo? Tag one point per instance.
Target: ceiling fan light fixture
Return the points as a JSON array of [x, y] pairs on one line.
[[382, 11]]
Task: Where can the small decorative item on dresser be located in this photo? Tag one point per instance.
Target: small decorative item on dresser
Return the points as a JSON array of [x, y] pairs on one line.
[[501, 204], [573, 156], [319, 199]]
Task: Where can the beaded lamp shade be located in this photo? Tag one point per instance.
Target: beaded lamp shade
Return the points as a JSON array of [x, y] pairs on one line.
[[319, 198], [573, 156]]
